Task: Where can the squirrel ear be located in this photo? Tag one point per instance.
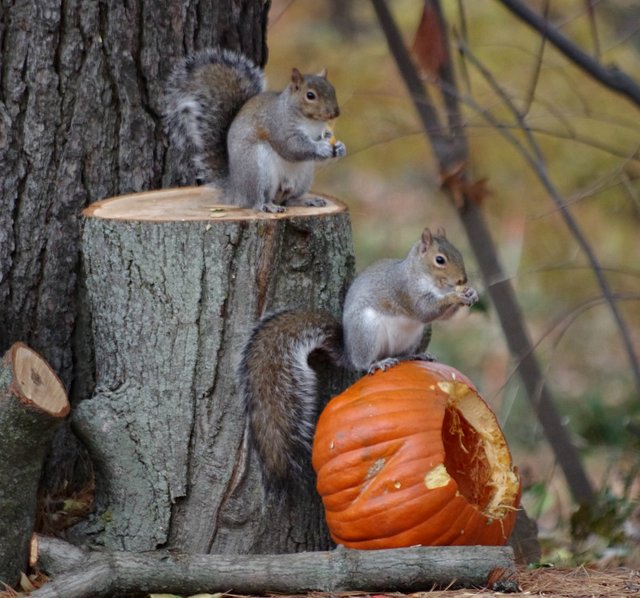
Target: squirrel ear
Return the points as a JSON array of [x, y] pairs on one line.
[[441, 232], [296, 77], [323, 73], [425, 240]]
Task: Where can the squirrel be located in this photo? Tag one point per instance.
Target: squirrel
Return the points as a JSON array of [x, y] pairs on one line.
[[386, 310], [258, 146]]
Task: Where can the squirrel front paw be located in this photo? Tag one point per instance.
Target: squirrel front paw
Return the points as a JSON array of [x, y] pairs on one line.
[[314, 202], [325, 149], [467, 295], [339, 149]]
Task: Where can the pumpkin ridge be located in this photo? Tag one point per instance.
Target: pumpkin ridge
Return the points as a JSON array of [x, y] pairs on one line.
[[457, 526], [356, 526], [354, 485], [349, 463], [354, 442]]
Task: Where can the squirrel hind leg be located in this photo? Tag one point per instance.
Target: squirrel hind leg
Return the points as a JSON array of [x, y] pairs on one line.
[[272, 208], [382, 364], [424, 356], [389, 362], [307, 202]]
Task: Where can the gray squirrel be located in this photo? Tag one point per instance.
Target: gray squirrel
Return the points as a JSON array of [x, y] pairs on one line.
[[258, 146], [385, 313]]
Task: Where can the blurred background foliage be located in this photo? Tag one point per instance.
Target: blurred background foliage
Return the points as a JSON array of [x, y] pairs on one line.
[[590, 138]]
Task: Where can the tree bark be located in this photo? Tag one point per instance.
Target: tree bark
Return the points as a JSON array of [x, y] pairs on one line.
[[32, 404], [81, 87], [341, 570], [174, 286]]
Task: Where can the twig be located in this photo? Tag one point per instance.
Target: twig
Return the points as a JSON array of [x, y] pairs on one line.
[[571, 136], [536, 161], [566, 320], [612, 76], [538, 65], [597, 51], [451, 150]]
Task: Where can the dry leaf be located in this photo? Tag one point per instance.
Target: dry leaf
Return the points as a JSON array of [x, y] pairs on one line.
[[429, 44], [453, 180], [478, 190]]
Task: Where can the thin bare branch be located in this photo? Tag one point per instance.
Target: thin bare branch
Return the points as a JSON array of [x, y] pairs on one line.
[[586, 140], [535, 77], [450, 150], [536, 160], [426, 109], [611, 76], [593, 25], [610, 180], [564, 322], [632, 192], [462, 19], [475, 128]]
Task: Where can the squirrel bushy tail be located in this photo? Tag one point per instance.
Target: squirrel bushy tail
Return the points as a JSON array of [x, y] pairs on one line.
[[282, 401], [220, 80]]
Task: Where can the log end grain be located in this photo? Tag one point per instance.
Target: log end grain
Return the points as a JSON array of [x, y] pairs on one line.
[[35, 384]]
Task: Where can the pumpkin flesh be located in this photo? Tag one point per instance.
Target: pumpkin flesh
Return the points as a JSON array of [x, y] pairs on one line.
[[413, 456]]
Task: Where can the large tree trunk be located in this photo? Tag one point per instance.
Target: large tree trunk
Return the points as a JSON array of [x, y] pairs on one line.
[[174, 286], [80, 104]]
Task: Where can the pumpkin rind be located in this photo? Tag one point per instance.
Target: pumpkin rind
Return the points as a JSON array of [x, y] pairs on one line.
[[391, 476]]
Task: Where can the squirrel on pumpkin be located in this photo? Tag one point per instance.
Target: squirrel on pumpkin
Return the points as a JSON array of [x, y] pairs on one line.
[[385, 313], [258, 146]]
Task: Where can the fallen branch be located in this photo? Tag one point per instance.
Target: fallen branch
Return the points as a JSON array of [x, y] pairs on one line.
[[404, 570]]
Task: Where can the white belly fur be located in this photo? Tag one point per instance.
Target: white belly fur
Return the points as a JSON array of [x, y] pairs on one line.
[[395, 335]]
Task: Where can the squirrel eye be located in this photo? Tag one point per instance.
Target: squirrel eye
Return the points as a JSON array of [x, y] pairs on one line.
[[311, 95], [441, 260]]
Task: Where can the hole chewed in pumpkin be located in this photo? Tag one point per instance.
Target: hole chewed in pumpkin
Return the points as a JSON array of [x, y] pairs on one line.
[[476, 454]]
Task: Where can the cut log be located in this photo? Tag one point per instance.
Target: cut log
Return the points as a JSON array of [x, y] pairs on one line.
[[341, 570], [33, 403], [175, 282]]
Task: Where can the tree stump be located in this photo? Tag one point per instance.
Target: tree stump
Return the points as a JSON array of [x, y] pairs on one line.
[[175, 283], [33, 403]]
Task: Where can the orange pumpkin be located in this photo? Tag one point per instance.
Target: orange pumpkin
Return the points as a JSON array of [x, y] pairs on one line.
[[414, 456]]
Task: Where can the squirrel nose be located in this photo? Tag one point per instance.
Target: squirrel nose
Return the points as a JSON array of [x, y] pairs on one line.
[[462, 281]]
